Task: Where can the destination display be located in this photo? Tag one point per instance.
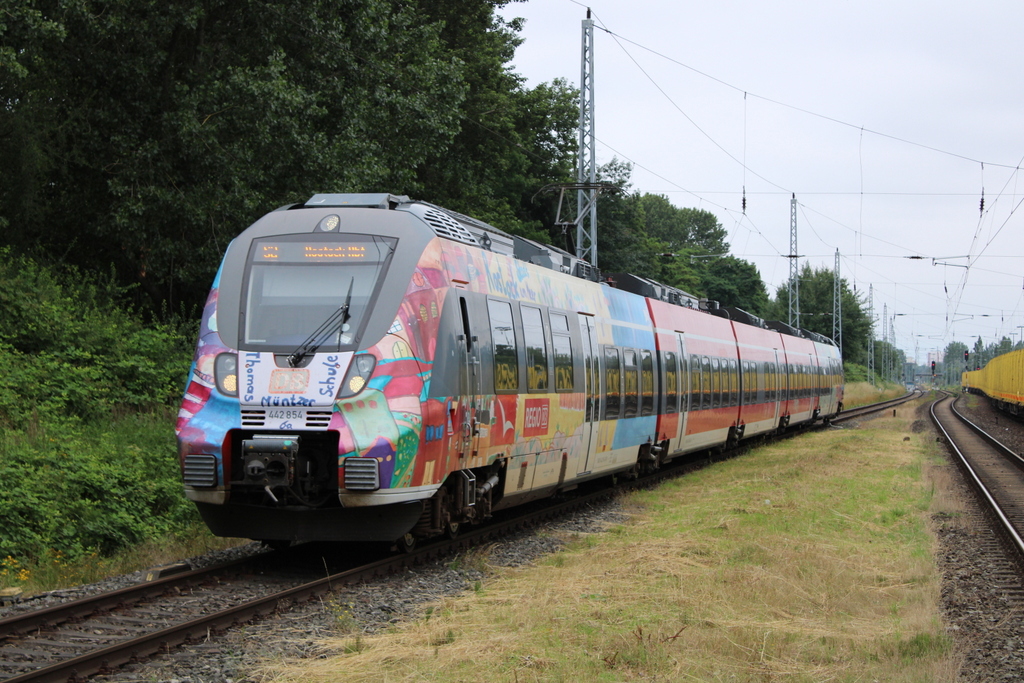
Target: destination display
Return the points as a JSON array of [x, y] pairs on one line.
[[297, 252]]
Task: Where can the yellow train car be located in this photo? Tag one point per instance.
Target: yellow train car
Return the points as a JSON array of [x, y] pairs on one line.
[[1002, 380]]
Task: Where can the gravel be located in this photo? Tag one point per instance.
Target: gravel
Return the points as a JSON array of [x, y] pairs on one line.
[[42, 600], [367, 608], [983, 615], [983, 621]]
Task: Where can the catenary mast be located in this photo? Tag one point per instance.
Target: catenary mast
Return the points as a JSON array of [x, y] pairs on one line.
[[586, 175], [794, 268]]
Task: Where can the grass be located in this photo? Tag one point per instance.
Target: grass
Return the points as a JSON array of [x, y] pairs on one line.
[[807, 560], [54, 570], [862, 393]]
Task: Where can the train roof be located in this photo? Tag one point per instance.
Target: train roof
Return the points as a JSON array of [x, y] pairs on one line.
[[458, 227]]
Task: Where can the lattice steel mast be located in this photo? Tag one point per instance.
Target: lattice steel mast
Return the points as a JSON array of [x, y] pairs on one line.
[[794, 268], [871, 333], [837, 308], [586, 172]]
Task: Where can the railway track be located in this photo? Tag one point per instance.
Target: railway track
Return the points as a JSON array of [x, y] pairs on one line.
[[99, 634], [870, 409], [996, 474]]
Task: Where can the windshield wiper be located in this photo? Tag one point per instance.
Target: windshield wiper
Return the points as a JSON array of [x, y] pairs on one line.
[[334, 322]]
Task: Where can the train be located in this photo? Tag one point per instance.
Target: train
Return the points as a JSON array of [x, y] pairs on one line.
[[375, 368], [1002, 380]]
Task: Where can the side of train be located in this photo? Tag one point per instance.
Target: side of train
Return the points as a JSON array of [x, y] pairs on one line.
[[1002, 380], [375, 368]]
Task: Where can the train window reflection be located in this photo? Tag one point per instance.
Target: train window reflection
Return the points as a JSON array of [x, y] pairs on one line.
[[631, 395], [289, 296], [506, 361], [646, 383], [536, 350], [612, 379], [563, 362], [671, 381]]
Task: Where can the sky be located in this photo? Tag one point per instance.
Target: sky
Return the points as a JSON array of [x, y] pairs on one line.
[[888, 120]]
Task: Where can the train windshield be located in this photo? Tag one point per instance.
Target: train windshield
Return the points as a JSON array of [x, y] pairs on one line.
[[297, 283]]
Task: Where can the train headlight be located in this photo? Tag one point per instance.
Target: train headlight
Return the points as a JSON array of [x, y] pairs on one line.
[[225, 371], [328, 223], [359, 372]]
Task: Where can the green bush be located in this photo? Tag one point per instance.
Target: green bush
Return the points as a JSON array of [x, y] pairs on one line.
[[76, 488], [74, 350], [88, 390]]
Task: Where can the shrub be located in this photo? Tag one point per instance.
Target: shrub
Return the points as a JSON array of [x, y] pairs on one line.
[[87, 393]]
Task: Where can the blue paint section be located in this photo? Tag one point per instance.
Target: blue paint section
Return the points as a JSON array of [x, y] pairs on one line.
[[626, 307], [209, 426], [630, 337], [634, 431]]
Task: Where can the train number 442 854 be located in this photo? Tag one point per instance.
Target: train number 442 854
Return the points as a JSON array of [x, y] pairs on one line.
[[285, 414]]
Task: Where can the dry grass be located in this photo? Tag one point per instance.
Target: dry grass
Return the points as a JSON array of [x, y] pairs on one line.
[[808, 560], [862, 393]]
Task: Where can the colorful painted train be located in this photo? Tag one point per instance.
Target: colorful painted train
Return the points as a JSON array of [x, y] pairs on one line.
[[1002, 380], [371, 368]]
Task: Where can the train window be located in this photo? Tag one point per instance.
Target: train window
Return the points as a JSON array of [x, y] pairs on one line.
[[536, 350], [631, 394], [671, 383], [759, 378], [745, 381], [563, 362], [612, 381], [646, 383], [734, 382], [684, 379], [506, 356], [752, 383], [296, 284], [716, 383], [769, 382], [705, 383], [696, 383], [694, 386], [559, 323]]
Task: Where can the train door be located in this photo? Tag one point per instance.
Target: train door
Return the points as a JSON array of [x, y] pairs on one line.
[[683, 394], [592, 396], [779, 387], [469, 368]]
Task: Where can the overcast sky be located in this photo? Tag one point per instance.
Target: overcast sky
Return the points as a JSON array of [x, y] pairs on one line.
[[887, 119]]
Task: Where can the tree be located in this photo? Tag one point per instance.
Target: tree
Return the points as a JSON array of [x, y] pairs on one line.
[[694, 230], [511, 141], [735, 282], [146, 134], [622, 239], [817, 293], [953, 360]]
